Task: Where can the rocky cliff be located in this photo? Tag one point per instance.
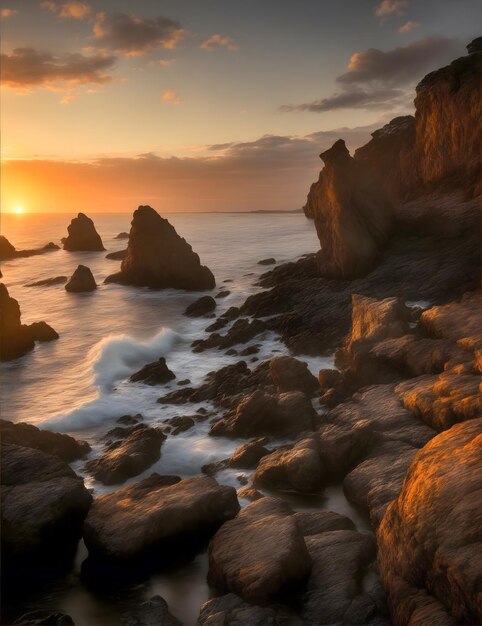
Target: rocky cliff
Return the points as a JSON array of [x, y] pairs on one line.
[[437, 152], [82, 235]]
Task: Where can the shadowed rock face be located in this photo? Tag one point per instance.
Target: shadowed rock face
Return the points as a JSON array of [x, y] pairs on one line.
[[431, 535], [82, 235], [8, 251], [353, 215], [81, 280], [159, 258]]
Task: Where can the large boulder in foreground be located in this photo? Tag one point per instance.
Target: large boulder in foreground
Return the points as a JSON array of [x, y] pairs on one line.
[[148, 516], [82, 235], [43, 504], [430, 538], [231, 610], [290, 374], [81, 281], [260, 554], [353, 215], [159, 258], [16, 339]]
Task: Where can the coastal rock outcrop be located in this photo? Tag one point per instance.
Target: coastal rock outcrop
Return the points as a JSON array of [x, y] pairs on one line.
[[82, 280], [119, 255], [159, 258], [82, 235], [290, 374], [16, 339], [200, 307], [431, 535], [8, 251], [139, 519], [156, 373], [153, 612]]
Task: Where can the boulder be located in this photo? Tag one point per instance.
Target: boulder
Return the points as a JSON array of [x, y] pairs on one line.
[[136, 452], [122, 235], [180, 423], [233, 610], [260, 554], [140, 519], [16, 339], [62, 446], [7, 250], [118, 255], [248, 493], [242, 331], [81, 280], [200, 307], [334, 592], [430, 538], [156, 373], [45, 617], [43, 504], [353, 215], [299, 469], [48, 282], [249, 454], [316, 522], [261, 414], [290, 374], [82, 235], [159, 258], [269, 261], [153, 612]]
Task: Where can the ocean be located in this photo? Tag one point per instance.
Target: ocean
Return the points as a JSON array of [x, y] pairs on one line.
[[79, 383]]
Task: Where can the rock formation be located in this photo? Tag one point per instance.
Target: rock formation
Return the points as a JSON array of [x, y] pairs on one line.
[[8, 251], [16, 339], [201, 306], [156, 373], [159, 258], [82, 235], [81, 280], [430, 539]]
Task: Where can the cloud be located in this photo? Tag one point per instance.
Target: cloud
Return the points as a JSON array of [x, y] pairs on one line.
[[67, 99], [219, 41], [171, 97], [400, 65], [8, 12], [72, 9], [409, 26], [349, 99], [25, 67], [375, 79], [166, 62], [136, 36], [391, 7], [271, 172]]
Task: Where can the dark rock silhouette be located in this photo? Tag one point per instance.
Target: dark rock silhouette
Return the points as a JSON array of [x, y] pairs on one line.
[[81, 280], [202, 306], [269, 261], [159, 258], [156, 373], [82, 235], [153, 612], [48, 282], [16, 339], [8, 251], [120, 255], [122, 235]]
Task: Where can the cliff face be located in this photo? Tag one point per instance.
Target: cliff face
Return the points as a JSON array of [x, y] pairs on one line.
[[437, 151]]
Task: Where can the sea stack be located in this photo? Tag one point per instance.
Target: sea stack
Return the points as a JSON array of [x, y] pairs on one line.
[[81, 280], [82, 235], [159, 258]]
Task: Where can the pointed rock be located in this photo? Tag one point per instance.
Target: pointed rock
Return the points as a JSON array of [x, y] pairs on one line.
[[82, 235]]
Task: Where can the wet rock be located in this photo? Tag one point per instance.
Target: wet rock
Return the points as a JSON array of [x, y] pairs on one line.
[[183, 382], [233, 610], [43, 504], [241, 331], [232, 313], [45, 617], [260, 554], [329, 378], [156, 373], [119, 255], [249, 350], [316, 522], [248, 493], [335, 595], [249, 454], [430, 540], [48, 282], [59, 445], [129, 420], [138, 451], [223, 294], [261, 414], [81, 280], [180, 423], [290, 374], [269, 261], [153, 612], [82, 235], [159, 258], [217, 325], [122, 235], [7, 250], [201, 307], [147, 516], [16, 339], [299, 469]]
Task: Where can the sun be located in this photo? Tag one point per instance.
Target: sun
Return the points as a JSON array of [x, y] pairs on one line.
[[19, 210]]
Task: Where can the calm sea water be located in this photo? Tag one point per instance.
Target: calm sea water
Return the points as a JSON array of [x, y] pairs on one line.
[[78, 384]]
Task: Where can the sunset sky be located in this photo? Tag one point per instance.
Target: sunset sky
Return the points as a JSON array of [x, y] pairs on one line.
[[194, 105]]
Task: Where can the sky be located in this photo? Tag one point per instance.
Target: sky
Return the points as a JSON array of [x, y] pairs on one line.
[[203, 105]]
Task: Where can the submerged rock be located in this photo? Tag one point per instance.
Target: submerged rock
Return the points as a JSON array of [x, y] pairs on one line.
[[159, 258], [156, 373], [430, 537], [269, 261], [81, 280], [153, 612], [8, 251], [202, 306], [119, 255], [260, 554], [47, 282], [82, 235], [122, 235]]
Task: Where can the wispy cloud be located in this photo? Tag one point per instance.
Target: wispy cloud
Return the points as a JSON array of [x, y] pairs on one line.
[[72, 9], [136, 36], [219, 41], [27, 68], [409, 26], [350, 99], [8, 12], [170, 96], [166, 62], [391, 7]]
